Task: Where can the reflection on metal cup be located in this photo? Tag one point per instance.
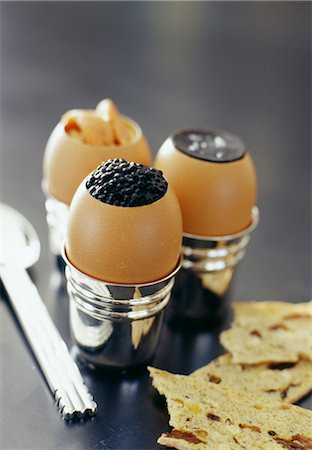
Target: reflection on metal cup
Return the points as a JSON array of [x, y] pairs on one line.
[[202, 287], [116, 326], [57, 216]]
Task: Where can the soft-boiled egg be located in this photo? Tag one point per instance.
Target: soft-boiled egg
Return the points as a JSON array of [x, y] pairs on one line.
[[82, 140], [124, 225], [214, 178]]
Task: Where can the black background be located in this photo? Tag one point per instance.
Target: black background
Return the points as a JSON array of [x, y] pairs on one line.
[[243, 67]]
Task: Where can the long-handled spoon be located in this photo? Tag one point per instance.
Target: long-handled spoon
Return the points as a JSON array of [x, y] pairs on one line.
[[20, 249]]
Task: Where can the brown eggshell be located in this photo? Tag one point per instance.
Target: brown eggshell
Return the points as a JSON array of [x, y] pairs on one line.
[[216, 199], [67, 160], [126, 245]]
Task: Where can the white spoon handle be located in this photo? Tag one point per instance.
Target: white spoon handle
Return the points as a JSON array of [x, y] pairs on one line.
[[60, 370]]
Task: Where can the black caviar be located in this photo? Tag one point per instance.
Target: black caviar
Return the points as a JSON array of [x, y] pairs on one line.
[[122, 183]]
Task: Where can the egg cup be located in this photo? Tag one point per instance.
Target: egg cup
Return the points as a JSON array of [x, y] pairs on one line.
[[116, 326], [214, 178], [202, 287]]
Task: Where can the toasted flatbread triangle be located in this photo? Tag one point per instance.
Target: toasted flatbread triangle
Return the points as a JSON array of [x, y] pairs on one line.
[[269, 332], [287, 382], [207, 416]]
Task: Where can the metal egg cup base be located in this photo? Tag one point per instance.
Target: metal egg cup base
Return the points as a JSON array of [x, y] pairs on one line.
[[96, 360], [116, 326], [115, 344], [193, 306], [83, 359], [201, 295]]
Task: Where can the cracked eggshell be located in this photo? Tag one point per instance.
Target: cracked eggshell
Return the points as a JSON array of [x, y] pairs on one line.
[[124, 245], [67, 160], [216, 199]]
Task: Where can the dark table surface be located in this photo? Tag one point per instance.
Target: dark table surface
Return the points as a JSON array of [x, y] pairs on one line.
[[243, 67]]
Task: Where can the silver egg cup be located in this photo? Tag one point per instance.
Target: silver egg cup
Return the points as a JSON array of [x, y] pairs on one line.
[[202, 287], [116, 326]]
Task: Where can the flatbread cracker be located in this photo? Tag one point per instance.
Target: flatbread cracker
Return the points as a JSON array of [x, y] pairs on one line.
[[207, 416], [287, 382], [268, 332]]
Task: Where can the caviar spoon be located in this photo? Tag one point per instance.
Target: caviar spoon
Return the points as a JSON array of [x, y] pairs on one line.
[[20, 249]]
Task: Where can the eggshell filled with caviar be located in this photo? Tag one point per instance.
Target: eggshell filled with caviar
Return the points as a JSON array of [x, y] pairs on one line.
[[124, 245], [82, 140], [216, 197]]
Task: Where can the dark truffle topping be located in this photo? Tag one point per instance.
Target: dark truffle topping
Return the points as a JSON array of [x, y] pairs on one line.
[[122, 183], [209, 145]]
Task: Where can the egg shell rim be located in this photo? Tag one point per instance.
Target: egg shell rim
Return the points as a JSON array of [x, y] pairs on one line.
[[109, 283]]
